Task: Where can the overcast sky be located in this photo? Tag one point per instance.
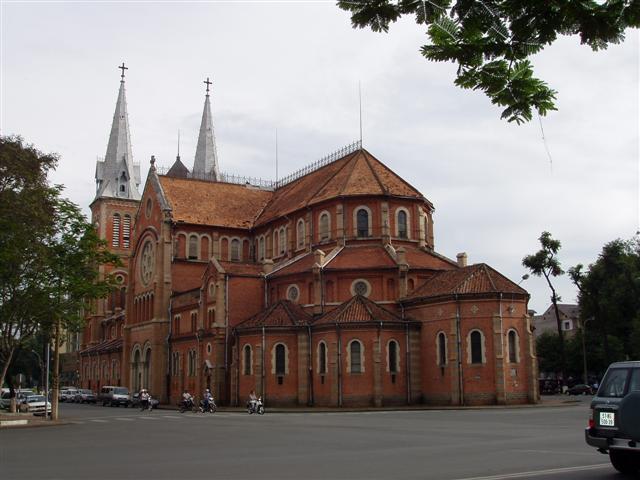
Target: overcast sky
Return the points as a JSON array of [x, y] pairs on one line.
[[295, 67]]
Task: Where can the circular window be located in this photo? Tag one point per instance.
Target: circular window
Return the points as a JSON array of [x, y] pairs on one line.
[[212, 290], [208, 348], [148, 207], [361, 287], [293, 293], [120, 279], [147, 263]]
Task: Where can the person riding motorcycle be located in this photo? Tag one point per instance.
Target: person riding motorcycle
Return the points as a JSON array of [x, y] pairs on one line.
[[187, 399], [253, 400], [207, 399]]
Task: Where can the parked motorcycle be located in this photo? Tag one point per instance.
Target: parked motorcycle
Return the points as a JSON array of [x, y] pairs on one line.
[[210, 408], [255, 406], [187, 405]]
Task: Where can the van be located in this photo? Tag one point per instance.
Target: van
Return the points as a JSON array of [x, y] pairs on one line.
[[607, 431], [114, 396]]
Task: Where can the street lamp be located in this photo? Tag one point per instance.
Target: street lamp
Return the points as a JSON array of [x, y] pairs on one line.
[[584, 348], [41, 368], [524, 277]]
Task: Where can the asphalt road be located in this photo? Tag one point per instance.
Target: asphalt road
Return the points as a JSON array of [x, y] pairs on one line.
[[493, 444]]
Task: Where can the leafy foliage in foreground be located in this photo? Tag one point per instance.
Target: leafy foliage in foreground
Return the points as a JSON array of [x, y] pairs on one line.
[[491, 40]]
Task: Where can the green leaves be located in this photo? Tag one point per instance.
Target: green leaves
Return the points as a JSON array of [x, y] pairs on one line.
[[491, 40]]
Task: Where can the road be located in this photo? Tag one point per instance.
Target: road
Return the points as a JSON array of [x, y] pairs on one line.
[[491, 444]]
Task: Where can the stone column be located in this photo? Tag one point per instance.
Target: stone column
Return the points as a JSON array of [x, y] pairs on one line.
[[303, 368], [415, 353], [332, 369], [340, 234], [215, 241], [385, 224], [455, 363]]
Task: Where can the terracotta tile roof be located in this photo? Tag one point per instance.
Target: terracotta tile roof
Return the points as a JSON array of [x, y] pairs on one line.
[[104, 346], [361, 256], [241, 268], [474, 279], [358, 309], [213, 203], [417, 258], [284, 313], [302, 264], [358, 173]]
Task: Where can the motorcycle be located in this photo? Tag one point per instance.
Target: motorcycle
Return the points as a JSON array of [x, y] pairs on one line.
[[187, 405], [146, 405], [255, 406], [210, 408]]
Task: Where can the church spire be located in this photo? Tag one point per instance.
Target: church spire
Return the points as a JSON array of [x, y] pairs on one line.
[[205, 164], [117, 175]]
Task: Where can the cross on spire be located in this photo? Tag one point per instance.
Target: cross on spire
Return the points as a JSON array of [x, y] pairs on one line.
[[208, 83], [123, 68]]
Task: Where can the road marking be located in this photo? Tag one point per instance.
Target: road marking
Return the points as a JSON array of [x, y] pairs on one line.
[[170, 416], [149, 418], [125, 419], [555, 452], [98, 421], [537, 473]]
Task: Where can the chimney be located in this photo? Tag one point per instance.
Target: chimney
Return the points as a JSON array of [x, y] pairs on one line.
[[462, 259], [319, 257]]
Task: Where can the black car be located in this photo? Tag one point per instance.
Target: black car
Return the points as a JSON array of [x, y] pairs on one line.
[[614, 425], [580, 389]]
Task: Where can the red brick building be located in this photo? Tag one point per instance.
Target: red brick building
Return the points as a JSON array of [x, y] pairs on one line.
[[321, 289]]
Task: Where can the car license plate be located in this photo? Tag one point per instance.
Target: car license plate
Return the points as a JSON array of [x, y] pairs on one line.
[[607, 419]]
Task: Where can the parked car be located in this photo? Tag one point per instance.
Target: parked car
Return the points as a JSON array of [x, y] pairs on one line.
[[614, 427], [85, 396], [5, 401], [580, 389], [67, 394], [114, 396], [135, 401], [35, 404]]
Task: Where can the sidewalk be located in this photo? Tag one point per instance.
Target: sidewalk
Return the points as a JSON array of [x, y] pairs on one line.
[[27, 420]]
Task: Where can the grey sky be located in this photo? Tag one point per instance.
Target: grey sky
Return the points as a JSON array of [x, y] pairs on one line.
[[295, 66]]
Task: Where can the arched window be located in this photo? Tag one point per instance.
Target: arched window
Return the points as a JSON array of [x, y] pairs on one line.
[[475, 340], [355, 354], [282, 242], [322, 358], [300, 233], [193, 247], [261, 249], [115, 238], [275, 244], [325, 226], [194, 321], [235, 250], [126, 231], [280, 359], [211, 317], [394, 353], [513, 346], [403, 231], [246, 368], [442, 349], [362, 219]]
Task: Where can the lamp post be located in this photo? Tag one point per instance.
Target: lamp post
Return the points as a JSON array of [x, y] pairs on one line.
[[524, 277], [41, 368], [584, 348]]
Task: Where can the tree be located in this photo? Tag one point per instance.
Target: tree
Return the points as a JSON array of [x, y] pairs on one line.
[[609, 296], [491, 40], [49, 254], [545, 264]]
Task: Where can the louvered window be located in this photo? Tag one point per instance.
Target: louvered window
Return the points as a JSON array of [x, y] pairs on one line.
[[115, 242], [126, 231]]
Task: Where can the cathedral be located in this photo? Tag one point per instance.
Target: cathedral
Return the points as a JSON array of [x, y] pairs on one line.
[[320, 289]]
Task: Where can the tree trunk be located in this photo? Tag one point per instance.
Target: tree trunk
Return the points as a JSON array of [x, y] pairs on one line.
[[563, 359], [56, 372], [5, 366]]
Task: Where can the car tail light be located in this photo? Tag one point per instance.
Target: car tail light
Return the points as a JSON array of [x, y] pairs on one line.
[[592, 423]]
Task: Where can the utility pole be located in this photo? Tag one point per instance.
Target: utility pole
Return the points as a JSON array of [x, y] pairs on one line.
[[56, 372]]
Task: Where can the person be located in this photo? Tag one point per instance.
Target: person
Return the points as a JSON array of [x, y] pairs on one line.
[[207, 398], [187, 399], [145, 398], [253, 399]]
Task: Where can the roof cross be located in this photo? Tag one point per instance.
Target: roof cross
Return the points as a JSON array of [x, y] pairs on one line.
[[123, 68], [208, 83]]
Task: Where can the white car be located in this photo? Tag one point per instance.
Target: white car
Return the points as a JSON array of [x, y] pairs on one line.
[[35, 404], [5, 401]]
